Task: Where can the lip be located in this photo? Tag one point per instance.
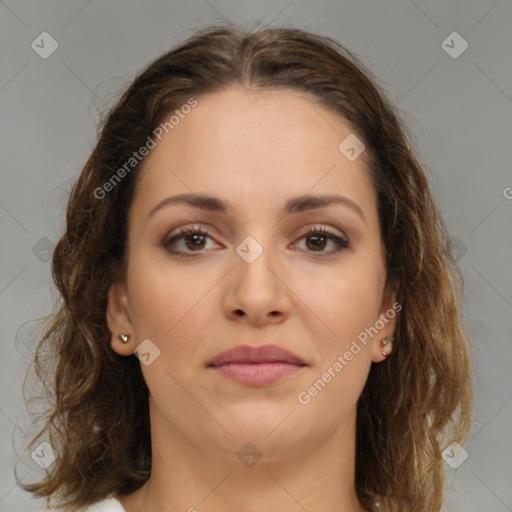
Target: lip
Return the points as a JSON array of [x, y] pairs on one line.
[[257, 366]]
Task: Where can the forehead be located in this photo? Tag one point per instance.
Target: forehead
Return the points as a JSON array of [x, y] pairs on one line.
[[249, 144]]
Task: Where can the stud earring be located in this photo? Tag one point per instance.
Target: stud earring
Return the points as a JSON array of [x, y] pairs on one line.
[[124, 338], [387, 340]]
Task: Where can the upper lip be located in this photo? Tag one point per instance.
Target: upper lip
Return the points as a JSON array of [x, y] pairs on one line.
[[262, 354]]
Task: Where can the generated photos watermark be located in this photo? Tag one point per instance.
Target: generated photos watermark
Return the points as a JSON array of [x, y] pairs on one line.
[[137, 156], [304, 397]]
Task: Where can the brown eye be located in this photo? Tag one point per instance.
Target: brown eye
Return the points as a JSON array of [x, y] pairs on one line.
[[195, 242], [188, 241], [316, 242]]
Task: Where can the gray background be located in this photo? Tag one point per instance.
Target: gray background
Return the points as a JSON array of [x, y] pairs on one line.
[[458, 110]]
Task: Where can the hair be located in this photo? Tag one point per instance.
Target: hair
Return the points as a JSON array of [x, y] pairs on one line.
[[413, 405]]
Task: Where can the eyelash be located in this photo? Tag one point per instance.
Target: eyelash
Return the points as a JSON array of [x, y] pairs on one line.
[[188, 231]]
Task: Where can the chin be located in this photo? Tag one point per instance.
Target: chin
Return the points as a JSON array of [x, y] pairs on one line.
[[270, 428]]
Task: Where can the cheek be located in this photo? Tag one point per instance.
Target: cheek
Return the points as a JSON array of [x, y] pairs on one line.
[[160, 295], [347, 307], [345, 300], [174, 309], [333, 393]]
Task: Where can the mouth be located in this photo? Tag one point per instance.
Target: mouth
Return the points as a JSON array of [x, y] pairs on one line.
[[257, 366]]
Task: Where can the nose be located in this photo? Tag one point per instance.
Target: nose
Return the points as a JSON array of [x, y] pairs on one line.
[[257, 292]]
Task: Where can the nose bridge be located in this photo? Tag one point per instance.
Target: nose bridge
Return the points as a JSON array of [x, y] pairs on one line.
[[255, 288], [253, 263]]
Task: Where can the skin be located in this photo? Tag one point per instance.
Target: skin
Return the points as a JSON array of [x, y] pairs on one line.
[[254, 150]]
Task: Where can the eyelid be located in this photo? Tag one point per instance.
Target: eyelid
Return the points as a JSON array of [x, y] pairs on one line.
[[340, 239], [323, 228], [181, 230]]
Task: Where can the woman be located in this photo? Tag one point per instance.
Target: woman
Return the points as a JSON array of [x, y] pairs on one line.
[[254, 228]]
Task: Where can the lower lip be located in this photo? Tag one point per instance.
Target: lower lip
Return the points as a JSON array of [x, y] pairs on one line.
[[258, 374]]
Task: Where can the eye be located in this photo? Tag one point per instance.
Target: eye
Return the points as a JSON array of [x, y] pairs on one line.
[[318, 239], [187, 240]]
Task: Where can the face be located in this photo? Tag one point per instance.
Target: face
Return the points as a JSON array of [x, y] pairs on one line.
[[281, 247]]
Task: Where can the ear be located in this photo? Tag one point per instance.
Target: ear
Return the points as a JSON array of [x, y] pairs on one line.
[[119, 319], [386, 322]]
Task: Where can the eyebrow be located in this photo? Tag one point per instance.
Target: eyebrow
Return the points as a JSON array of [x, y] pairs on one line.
[[294, 205]]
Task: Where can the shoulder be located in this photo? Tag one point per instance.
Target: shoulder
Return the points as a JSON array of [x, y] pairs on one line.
[[109, 504]]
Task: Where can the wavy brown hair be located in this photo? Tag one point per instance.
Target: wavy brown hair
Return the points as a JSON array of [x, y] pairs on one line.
[[413, 405]]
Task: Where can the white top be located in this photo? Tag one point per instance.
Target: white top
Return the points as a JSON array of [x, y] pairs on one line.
[[107, 505]]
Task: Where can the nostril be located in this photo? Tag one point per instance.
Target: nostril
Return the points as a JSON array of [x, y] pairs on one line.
[[239, 312]]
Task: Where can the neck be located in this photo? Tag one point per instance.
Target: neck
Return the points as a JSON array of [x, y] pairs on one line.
[[317, 477]]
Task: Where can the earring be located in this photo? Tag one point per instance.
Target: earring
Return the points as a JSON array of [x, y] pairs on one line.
[[387, 340], [124, 338]]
